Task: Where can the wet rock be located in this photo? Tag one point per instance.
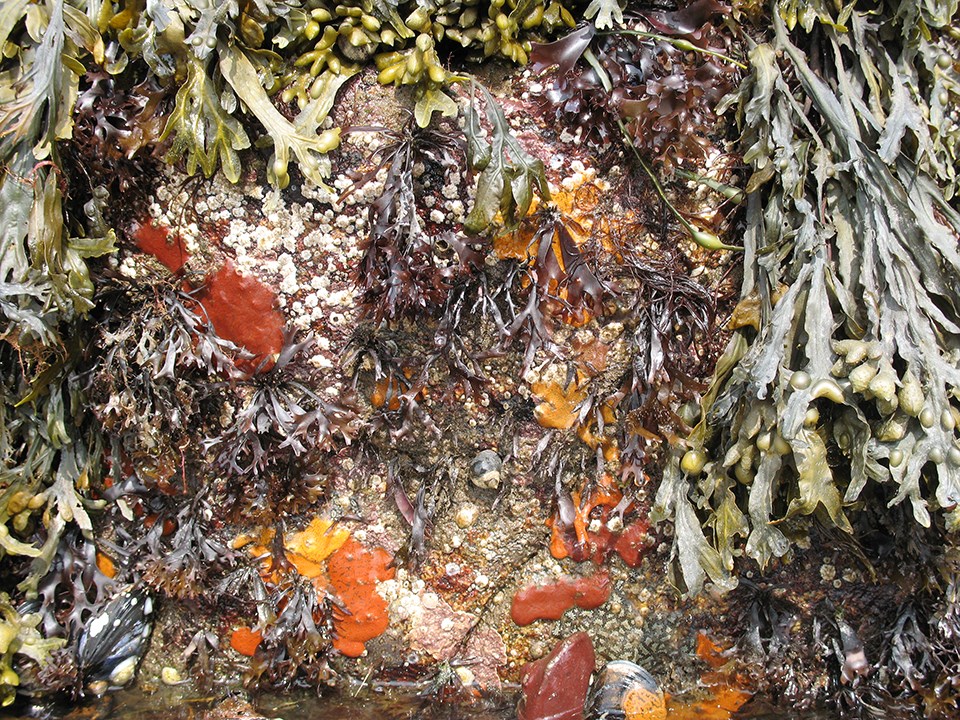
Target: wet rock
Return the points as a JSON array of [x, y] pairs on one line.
[[554, 687], [485, 469], [233, 708], [625, 691]]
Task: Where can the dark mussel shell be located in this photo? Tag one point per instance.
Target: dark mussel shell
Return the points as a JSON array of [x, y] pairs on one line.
[[625, 691], [113, 640]]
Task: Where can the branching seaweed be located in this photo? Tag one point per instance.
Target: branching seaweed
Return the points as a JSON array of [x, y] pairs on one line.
[[180, 563], [669, 317], [404, 270], [280, 411], [661, 84], [297, 634]]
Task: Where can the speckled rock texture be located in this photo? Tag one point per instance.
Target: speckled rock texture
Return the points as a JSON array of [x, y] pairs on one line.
[[457, 570]]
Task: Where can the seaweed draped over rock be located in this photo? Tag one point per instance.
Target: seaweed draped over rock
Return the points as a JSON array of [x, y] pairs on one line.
[[836, 401], [836, 398]]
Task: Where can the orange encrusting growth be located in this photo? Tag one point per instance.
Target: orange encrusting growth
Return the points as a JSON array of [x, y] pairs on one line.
[[245, 640], [318, 541], [587, 433], [336, 563], [106, 565], [640, 703], [578, 204], [155, 240], [730, 691], [631, 543], [354, 572], [244, 311], [722, 705], [559, 406], [560, 409]]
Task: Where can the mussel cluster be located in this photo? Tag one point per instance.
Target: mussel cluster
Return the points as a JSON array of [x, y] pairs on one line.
[[111, 645]]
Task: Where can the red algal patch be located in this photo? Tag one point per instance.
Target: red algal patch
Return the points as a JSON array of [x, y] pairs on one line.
[[155, 240], [631, 545], [241, 308], [550, 602], [574, 539], [354, 572], [244, 311]]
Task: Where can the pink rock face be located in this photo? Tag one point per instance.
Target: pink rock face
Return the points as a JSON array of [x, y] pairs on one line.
[[446, 633], [555, 687]]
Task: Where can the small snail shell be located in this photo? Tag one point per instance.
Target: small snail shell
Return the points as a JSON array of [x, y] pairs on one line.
[[625, 691], [486, 468]]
